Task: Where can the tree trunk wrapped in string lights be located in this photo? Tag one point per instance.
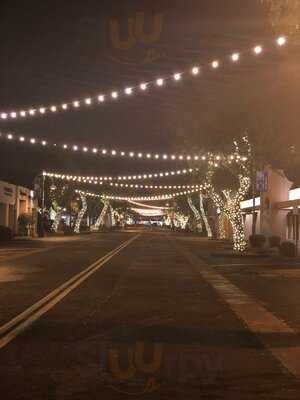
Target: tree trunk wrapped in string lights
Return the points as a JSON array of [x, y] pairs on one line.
[[81, 213], [228, 201], [100, 219], [200, 215], [196, 213], [58, 214], [221, 226]]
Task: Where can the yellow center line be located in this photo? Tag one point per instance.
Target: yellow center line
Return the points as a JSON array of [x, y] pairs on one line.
[[17, 325]]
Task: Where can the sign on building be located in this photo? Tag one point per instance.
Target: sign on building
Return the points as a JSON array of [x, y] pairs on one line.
[[262, 181]]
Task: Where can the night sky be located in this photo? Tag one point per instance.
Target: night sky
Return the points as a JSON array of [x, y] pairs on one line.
[[57, 51]]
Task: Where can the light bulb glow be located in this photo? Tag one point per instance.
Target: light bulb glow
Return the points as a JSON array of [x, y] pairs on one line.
[[215, 64], [177, 77], [235, 57], [159, 82], [128, 91], [195, 70], [281, 41], [143, 86], [258, 49], [101, 98], [114, 95], [76, 104]]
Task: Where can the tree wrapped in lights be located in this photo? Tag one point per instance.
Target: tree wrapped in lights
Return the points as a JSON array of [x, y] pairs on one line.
[[228, 200], [200, 215], [81, 213], [100, 220], [221, 226]]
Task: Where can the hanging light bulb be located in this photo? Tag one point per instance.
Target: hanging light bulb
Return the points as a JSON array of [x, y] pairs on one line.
[[258, 49], [281, 41], [235, 57]]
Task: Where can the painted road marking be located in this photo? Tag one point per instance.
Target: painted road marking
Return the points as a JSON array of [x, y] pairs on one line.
[[259, 320], [17, 325]]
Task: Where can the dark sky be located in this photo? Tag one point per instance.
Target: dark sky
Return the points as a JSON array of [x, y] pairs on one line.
[[52, 51]]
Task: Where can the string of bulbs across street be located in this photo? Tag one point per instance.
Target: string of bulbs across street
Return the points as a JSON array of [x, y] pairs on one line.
[[135, 186], [128, 91], [168, 196], [99, 180], [118, 153]]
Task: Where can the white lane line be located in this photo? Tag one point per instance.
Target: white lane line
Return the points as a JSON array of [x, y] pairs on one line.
[[17, 325], [259, 320]]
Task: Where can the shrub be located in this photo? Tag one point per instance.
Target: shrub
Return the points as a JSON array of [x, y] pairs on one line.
[[5, 233], [257, 240], [288, 249], [274, 241]]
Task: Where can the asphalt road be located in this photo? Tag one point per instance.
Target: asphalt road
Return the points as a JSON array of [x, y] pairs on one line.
[[149, 314]]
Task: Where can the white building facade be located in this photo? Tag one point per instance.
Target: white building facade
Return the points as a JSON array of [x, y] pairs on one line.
[[276, 210], [14, 201]]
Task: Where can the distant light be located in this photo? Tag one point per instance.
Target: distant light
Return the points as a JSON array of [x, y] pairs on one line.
[[32, 140], [85, 149], [177, 77], [88, 101], [95, 150], [3, 115], [215, 64], [13, 114], [113, 152], [235, 57], [195, 70], [143, 86], [101, 98], [76, 103], [42, 110], [53, 108], [22, 139], [114, 95], [159, 82], [128, 90], [44, 143], [75, 148], [131, 154], [64, 106], [104, 151], [258, 49], [281, 41], [65, 146], [10, 136], [23, 113]]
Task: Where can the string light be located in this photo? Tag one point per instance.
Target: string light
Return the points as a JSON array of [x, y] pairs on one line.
[[280, 41], [235, 57], [142, 198], [215, 64], [107, 180], [118, 153], [258, 49]]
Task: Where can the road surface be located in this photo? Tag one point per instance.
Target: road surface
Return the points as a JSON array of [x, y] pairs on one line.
[[146, 313]]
